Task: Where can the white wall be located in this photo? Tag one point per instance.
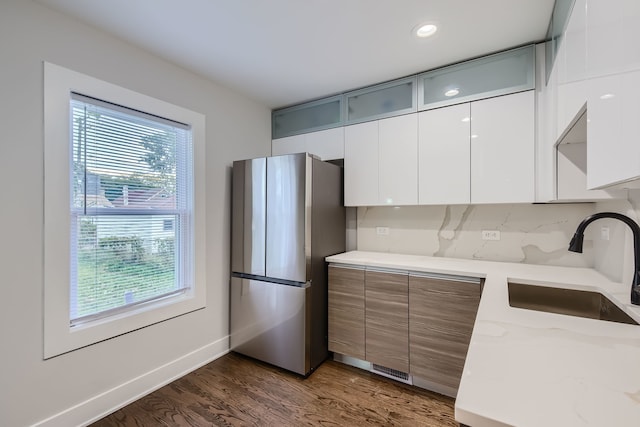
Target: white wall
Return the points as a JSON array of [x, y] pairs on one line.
[[532, 234], [103, 375], [614, 258]]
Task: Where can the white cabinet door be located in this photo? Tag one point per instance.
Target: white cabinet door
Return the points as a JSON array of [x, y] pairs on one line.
[[613, 151], [289, 145], [572, 68], [502, 149], [326, 144], [444, 155], [613, 31], [613, 68], [361, 164], [398, 160]]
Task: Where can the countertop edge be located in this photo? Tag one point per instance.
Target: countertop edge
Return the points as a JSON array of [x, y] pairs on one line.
[[508, 343]]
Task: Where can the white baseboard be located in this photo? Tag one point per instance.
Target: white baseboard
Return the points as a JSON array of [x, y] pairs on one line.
[[99, 406]]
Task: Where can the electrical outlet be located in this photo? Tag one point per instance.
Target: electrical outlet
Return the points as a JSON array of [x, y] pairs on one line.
[[490, 234], [604, 233], [382, 231]]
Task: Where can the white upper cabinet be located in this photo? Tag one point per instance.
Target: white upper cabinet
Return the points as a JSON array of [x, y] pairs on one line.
[[361, 164], [613, 151], [380, 162], [398, 162], [575, 40], [613, 32], [444, 155], [613, 68], [326, 144], [289, 145], [502, 149], [571, 63], [478, 152]]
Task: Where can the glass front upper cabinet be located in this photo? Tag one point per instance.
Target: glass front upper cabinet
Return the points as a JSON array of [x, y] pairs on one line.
[[493, 75], [380, 101], [317, 115]]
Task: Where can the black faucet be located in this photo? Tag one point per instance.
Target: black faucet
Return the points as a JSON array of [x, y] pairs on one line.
[[576, 246]]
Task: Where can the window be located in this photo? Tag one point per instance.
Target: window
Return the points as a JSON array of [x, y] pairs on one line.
[[122, 175], [131, 175]]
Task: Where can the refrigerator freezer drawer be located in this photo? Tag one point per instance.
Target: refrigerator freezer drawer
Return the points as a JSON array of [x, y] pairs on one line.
[[269, 322]]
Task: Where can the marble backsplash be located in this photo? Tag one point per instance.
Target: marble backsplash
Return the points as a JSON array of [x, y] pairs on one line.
[[614, 257], [533, 234]]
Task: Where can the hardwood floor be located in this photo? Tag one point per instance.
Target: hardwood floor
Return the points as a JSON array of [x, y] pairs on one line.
[[238, 391]]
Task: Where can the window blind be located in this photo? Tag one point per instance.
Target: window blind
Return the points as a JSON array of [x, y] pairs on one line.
[[131, 208]]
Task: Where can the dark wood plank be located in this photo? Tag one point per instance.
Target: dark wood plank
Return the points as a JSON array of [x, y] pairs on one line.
[[237, 391]]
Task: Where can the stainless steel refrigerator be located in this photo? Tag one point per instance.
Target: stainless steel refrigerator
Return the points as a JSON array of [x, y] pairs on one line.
[[287, 216]]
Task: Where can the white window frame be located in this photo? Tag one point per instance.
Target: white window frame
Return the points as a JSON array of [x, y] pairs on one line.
[[59, 336]]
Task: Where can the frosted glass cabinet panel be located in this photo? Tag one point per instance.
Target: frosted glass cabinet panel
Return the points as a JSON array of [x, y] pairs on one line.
[[499, 74], [312, 116], [384, 100]]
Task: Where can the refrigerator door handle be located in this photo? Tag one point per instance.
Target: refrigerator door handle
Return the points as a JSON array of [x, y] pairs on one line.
[[265, 279]]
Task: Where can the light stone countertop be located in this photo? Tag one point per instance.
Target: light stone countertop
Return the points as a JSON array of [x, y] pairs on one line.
[[529, 368]]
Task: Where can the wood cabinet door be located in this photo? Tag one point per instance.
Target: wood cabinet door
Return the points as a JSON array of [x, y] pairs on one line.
[[387, 322], [441, 317], [346, 311]]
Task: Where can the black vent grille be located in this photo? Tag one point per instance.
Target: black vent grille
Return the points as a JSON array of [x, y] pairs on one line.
[[391, 373]]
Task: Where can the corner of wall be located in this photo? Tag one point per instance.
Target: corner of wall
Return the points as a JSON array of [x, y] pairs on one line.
[[614, 257]]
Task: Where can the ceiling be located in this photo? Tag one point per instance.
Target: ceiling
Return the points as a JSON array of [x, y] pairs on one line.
[[282, 52]]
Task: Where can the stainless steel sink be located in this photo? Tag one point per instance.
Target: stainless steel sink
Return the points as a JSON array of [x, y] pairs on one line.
[[572, 302]]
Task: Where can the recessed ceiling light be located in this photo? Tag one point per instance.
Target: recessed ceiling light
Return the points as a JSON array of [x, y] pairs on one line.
[[425, 30], [607, 96], [466, 119], [452, 92]]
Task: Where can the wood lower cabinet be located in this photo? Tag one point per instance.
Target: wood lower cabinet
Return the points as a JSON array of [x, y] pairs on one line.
[[442, 312], [417, 323], [387, 320], [346, 311]]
